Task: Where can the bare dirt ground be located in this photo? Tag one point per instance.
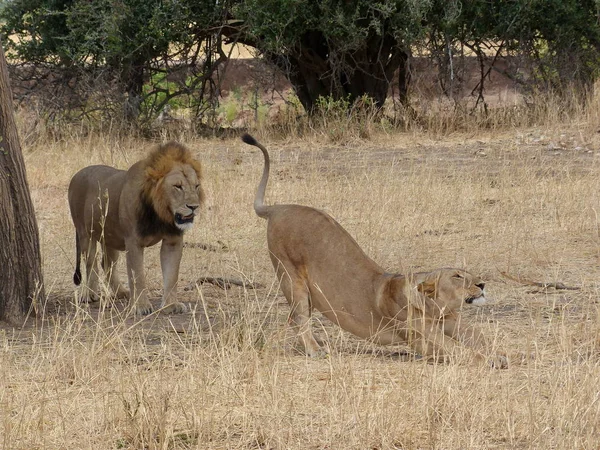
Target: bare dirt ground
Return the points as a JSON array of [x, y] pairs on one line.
[[516, 206], [227, 374]]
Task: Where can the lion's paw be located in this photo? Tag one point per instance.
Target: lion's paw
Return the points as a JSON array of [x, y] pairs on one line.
[[175, 308], [144, 308], [90, 297], [121, 293]]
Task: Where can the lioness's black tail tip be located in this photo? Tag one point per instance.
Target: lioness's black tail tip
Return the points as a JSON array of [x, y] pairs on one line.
[[77, 277], [249, 139]]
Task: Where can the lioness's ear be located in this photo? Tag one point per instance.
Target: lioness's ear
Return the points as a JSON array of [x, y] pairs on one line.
[[427, 288]]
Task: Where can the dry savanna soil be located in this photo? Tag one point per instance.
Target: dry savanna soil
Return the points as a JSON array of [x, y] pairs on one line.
[[519, 208]]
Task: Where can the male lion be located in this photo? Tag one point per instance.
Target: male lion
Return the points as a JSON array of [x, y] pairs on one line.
[[321, 266], [128, 210]]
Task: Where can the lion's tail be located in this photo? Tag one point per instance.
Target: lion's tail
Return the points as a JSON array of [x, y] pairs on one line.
[[77, 274], [260, 208]]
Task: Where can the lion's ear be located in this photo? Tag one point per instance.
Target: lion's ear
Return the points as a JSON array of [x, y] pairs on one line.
[[153, 174], [197, 166]]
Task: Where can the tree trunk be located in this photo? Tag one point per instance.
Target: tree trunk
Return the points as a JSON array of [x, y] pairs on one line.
[[404, 77], [133, 79], [313, 72], [20, 258]]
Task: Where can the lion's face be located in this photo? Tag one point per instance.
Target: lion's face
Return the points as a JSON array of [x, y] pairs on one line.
[[182, 187], [172, 185], [451, 288]]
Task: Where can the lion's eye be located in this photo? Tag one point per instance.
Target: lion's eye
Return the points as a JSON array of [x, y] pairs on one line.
[[458, 276], [179, 187], [197, 186]]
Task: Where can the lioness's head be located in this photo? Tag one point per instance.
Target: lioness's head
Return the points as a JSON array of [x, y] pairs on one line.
[[172, 185], [449, 289]]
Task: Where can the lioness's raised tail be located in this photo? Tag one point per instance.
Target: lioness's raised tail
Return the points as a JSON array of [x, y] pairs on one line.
[[260, 208]]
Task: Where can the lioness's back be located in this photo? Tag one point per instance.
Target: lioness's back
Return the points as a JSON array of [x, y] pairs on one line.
[[298, 229]]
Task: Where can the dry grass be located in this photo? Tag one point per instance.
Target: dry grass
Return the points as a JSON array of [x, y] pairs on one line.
[[525, 202]]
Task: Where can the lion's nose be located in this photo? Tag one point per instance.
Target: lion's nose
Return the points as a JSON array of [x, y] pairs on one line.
[[480, 285], [193, 207]]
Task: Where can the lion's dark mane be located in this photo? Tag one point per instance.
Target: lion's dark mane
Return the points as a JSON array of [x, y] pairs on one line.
[[149, 224]]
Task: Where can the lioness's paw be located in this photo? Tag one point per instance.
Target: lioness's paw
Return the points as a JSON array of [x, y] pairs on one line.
[[175, 308], [498, 362], [316, 352]]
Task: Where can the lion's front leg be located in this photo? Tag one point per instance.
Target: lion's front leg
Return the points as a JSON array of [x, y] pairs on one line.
[[137, 281], [171, 251]]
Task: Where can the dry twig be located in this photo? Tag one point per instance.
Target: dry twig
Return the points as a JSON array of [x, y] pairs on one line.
[[209, 247], [226, 283], [545, 285]]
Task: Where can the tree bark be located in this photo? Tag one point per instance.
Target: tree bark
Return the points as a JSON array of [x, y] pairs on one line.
[[20, 259]]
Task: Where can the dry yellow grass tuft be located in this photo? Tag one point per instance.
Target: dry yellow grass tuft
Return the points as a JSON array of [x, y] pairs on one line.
[[524, 203]]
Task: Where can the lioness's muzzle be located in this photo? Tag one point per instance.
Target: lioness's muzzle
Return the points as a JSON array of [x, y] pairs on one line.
[[479, 300]]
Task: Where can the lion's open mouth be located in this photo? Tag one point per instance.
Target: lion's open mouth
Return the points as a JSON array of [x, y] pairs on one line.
[[180, 219]]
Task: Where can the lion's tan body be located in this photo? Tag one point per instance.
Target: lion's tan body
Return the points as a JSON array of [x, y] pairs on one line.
[[155, 200], [321, 266]]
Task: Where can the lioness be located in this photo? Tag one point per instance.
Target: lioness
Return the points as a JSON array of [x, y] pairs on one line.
[[321, 266], [128, 210]]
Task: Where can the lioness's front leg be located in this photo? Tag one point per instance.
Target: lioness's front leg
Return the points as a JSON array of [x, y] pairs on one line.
[[171, 251], [473, 337], [137, 280], [427, 338]]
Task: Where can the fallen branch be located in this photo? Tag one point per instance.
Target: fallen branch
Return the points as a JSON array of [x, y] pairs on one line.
[[558, 285], [226, 283], [208, 247]]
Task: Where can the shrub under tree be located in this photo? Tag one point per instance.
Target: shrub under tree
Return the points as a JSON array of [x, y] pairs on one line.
[[127, 53], [333, 48]]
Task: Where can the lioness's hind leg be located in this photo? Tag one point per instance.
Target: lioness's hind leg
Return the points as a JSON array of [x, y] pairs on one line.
[[109, 265], [297, 294]]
